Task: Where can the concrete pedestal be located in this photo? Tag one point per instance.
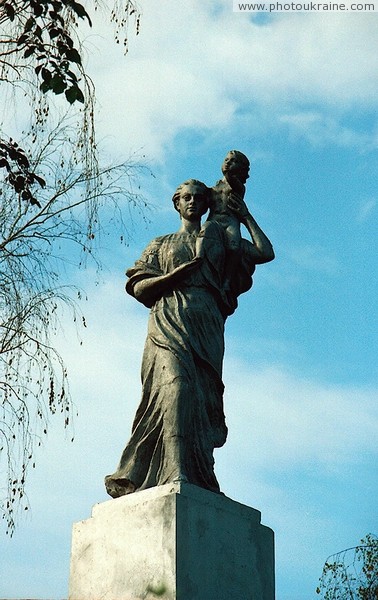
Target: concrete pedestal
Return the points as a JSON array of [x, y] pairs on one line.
[[174, 542]]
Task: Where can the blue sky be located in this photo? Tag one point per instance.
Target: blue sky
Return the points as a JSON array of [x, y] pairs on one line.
[[298, 94]]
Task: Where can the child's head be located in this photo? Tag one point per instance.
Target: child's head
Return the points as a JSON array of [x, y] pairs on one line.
[[236, 163]]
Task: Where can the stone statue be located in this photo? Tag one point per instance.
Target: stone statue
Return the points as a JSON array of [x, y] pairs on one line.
[[181, 278]]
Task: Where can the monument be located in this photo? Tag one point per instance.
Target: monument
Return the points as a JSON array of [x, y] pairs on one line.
[[170, 532]]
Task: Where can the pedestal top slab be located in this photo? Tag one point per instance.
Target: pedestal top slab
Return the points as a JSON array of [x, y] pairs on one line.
[[192, 492]]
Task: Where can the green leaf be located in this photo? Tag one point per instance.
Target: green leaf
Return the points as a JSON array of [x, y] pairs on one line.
[[46, 74], [38, 9], [57, 84], [26, 195], [29, 24], [10, 11], [72, 76], [29, 51], [62, 48], [38, 32], [22, 39], [73, 56], [71, 94], [54, 32], [74, 93], [80, 96], [39, 179], [81, 12], [45, 87]]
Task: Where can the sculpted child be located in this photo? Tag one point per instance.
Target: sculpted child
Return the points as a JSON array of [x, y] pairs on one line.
[[235, 169]]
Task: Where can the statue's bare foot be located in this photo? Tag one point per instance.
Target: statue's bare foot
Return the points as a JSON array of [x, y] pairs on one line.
[[119, 487]]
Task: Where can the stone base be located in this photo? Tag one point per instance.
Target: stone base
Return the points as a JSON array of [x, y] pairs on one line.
[[174, 542]]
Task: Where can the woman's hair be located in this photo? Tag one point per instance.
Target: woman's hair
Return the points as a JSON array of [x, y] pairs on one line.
[[206, 191]]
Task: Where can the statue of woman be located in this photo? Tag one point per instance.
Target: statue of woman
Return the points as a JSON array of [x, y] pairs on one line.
[[180, 419]]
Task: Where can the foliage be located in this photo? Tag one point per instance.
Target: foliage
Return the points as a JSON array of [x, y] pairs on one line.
[[45, 31], [19, 176], [352, 574], [38, 244], [41, 52], [56, 201], [42, 31]]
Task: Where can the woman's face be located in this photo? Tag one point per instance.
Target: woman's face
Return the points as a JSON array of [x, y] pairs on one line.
[[192, 202]]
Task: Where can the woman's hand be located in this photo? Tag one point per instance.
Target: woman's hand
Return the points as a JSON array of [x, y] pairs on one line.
[[151, 289], [238, 206], [179, 273], [262, 248]]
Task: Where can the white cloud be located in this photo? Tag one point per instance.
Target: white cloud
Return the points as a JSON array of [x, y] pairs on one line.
[[314, 258], [191, 67], [321, 130], [283, 420], [366, 209], [155, 105]]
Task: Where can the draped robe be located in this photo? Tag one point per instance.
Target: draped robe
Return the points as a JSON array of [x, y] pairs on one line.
[[180, 419]]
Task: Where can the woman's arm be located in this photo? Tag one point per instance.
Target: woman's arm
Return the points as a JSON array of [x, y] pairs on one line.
[[149, 289], [261, 244]]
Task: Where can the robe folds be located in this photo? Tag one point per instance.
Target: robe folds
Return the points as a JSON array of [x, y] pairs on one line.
[[180, 419]]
